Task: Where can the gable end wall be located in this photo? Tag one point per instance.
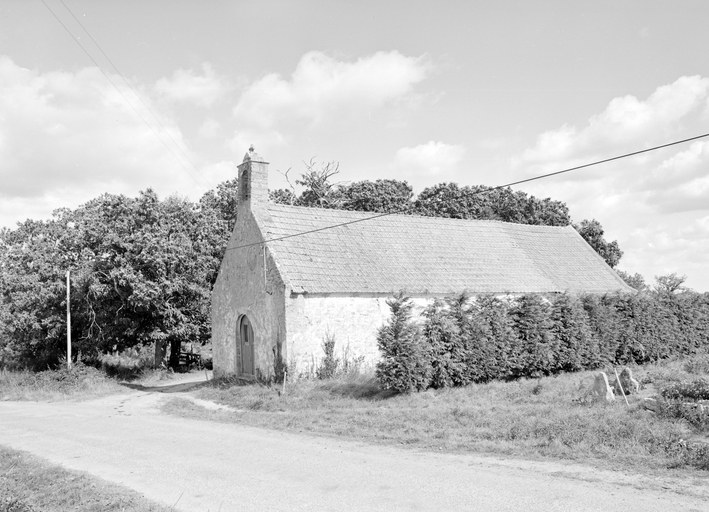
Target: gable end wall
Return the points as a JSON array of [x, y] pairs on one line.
[[244, 288]]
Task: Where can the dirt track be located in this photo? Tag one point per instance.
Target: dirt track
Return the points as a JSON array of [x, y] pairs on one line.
[[203, 465]]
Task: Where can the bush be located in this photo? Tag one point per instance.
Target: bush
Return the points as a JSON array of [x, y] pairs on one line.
[[604, 320], [329, 364], [692, 390], [405, 364], [128, 364], [699, 364], [536, 341], [64, 379], [497, 340], [463, 341], [447, 348], [473, 358], [696, 416], [577, 344]]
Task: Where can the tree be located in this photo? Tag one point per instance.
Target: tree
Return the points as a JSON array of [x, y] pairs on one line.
[[636, 280], [538, 344], [35, 258], [443, 336], [450, 200], [282, 196], [224, 201], [470, 354], [668, 285], [381, 196], [142, 273], [502, 360], [405, 364], [319, 192], [592, 232], [577, 347], [489, 203]]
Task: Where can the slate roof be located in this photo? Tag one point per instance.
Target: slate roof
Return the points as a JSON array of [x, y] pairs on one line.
[[430, 256]]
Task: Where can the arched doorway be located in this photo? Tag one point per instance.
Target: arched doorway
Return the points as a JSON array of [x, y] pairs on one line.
[[246, 339]]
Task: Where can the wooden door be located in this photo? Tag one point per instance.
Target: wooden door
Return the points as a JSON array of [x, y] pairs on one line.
[[246, 337]]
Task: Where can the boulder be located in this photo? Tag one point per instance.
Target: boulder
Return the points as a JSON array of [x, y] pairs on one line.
[[653, 404], [630, 385], [600, 390]]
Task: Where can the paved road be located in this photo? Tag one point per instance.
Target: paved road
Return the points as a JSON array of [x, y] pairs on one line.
[[210, 466]]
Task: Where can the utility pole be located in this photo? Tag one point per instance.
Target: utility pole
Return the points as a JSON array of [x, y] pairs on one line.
[[68, 319]]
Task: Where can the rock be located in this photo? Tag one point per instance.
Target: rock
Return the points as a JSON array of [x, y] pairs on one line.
[[652, 404], [630, 385], [600, 390]]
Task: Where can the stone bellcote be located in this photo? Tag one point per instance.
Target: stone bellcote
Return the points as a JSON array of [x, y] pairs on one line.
[[253, 183]]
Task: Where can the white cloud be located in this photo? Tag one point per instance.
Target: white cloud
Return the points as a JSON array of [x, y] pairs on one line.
[[647, 201], [626, 120], [209, 128], [219, 171], [698, 230], [323, 88], [681, 182], [265, 141], [431, 158], [186, 86], [66, 137]]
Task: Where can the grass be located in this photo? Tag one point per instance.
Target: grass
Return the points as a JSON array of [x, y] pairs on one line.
[[51, 385], [531, 418], [79, 383], [28, 484]]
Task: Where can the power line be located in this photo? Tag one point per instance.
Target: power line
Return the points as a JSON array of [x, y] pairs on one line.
[[135, 92], [608, 160], [477, 192], [124, 97]]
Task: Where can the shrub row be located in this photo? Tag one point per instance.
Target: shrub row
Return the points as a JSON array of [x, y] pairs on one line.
[[461, 340]]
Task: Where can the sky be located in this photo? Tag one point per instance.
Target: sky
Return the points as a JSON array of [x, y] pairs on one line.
[[169, 94]]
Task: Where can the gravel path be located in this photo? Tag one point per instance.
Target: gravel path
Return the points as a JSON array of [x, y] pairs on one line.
[[210, 466]]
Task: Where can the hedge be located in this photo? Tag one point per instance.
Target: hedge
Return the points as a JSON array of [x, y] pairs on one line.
[[460, 340]]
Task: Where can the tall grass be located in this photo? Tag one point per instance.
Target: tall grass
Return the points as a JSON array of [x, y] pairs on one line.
[[80, 381]]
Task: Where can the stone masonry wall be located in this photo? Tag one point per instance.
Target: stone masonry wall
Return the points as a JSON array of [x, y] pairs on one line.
[[243, 288], [353, 321], [249, 282]]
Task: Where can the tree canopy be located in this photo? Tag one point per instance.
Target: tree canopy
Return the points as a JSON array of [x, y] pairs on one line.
[[142, 271], [592, 232]]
